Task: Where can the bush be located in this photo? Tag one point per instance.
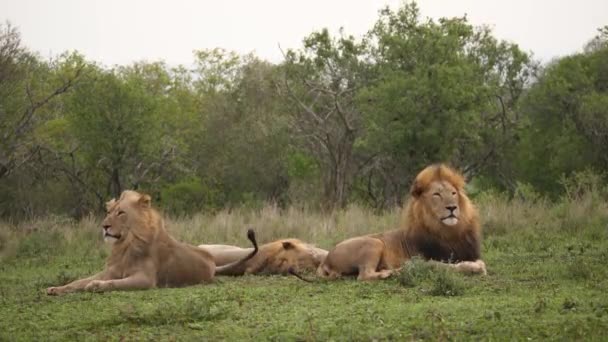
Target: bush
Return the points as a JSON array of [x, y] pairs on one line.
[[187, 197], [435, 279], [415, 272], [43, 242], [584, 183], [447, 283], [526, 192]]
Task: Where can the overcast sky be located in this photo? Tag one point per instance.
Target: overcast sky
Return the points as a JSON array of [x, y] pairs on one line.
[[123, 31]]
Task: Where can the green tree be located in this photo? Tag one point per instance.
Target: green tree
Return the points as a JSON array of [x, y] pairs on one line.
[[567, 116], [322, 80], [28, 87], [444, 91], [239, 149], [114, 120]]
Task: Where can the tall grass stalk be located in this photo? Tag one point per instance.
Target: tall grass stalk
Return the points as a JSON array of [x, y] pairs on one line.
[[499, 216]]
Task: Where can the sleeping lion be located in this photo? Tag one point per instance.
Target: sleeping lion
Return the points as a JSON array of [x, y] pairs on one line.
[[278, 257]]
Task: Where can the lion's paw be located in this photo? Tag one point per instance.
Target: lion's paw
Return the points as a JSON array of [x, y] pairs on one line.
[[472, 267], [385, 274], [481, 267], [53, 291]]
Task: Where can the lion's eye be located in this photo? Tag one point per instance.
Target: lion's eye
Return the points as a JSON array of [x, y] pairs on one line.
[[437, 194], [121, 213], [453, 193]]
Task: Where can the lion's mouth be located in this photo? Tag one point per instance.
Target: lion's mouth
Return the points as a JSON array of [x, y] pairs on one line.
[[450, 220], [108, 235]]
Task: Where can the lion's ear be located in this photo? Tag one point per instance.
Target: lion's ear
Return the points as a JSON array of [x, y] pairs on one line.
[[145, 201], [416, 189], [123, 194], [287, 245], [110, 204]]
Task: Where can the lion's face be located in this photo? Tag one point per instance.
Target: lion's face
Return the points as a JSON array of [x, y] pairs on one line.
[[122, 215], [300, 256], [442, 199], [114, 225]]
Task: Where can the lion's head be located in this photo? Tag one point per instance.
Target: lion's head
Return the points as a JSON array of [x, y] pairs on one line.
[[294, 254], [130, 217], [438, 200]]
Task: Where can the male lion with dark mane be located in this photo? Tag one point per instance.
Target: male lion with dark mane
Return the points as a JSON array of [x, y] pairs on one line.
[[440, 224], [144, 255], [278, 257]]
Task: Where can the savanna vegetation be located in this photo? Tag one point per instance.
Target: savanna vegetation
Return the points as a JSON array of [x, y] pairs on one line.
[[546, 280], [321, 146], [341, 120]]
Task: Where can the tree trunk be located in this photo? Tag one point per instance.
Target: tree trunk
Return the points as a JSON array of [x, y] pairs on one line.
[[338, 181], [116, 187]]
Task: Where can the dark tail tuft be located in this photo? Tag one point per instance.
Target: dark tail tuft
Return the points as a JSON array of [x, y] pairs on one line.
[[251, 237], [238, 268]]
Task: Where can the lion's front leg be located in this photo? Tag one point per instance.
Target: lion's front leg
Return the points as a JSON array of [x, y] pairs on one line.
[[74, 286], [138, 281], [471, 267]]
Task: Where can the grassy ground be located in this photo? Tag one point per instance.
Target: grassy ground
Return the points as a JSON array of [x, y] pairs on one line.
[[546, 262]]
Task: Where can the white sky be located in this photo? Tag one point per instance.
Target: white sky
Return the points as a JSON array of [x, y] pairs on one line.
[[123, 31]]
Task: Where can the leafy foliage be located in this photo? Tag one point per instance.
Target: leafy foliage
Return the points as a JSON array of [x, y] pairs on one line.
[[445, 91], [341, 120], [567, 117]]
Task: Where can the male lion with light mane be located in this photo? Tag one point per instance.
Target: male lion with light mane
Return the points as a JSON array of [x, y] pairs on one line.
[[278, 257], [144, 255], [440, 224]]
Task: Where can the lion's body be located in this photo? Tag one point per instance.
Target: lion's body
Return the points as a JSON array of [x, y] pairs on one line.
[[170, 263], [144, 255], [277, 257], [440, 224]]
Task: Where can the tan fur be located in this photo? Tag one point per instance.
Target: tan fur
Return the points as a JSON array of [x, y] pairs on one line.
[[143, 254], [276, 257], [439, 223]]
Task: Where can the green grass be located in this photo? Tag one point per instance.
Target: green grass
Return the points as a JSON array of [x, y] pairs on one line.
[[547, 280]]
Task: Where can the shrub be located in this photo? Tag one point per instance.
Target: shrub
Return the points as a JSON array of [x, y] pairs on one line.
[[435, 279], [415, 272], [187, 197], [584, 183]]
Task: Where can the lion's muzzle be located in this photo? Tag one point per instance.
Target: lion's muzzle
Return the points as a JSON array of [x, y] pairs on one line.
[[107, 235]]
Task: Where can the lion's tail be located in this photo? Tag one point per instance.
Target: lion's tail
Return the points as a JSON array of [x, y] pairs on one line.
[[295, 274], [238, 267]]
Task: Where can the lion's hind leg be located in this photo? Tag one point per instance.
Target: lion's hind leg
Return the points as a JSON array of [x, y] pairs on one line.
[[370, 256], [359, 256]]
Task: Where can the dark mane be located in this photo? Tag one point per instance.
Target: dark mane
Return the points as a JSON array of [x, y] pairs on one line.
[[428, 246]]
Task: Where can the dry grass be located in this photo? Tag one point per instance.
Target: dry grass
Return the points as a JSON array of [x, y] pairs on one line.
[[273, 223], [499, 216]]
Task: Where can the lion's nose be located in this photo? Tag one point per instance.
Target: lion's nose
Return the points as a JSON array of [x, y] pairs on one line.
[[106, 226], [451, 207]]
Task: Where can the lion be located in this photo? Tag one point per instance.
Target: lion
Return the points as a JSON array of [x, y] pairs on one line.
[[440, 224], [278, 257], [144, 255]]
